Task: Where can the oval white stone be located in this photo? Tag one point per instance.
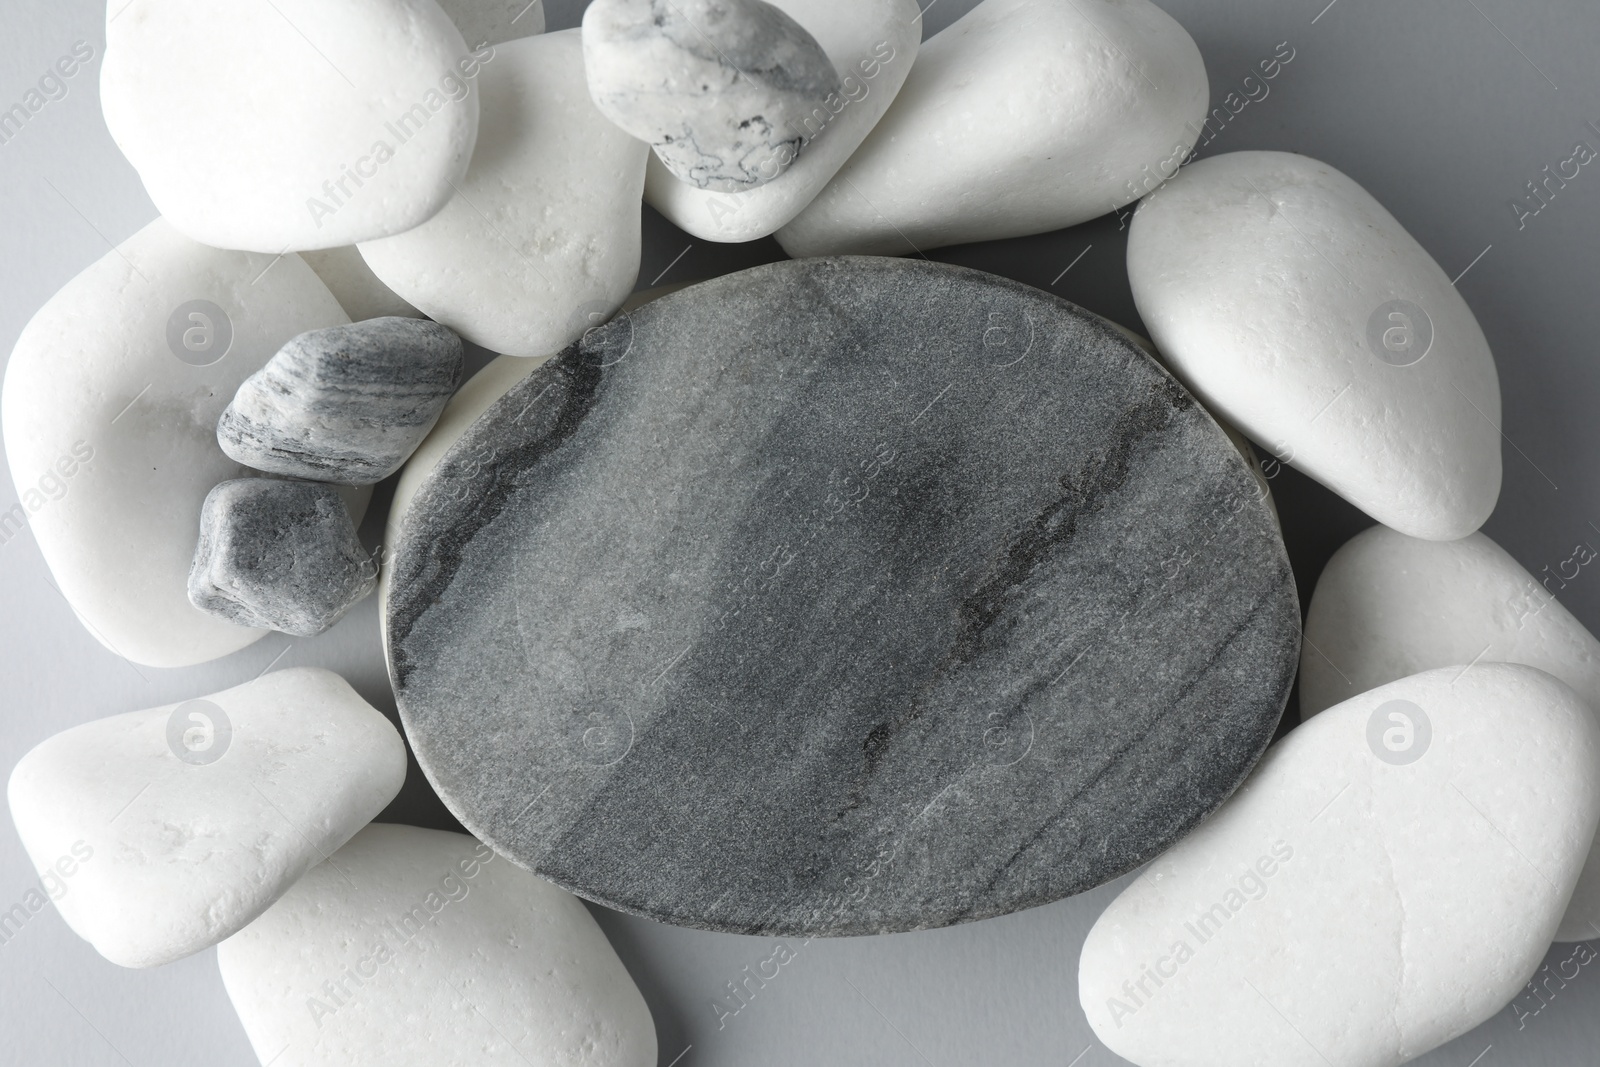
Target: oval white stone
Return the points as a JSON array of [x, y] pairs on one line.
[[1349, 907], [112, 437], [293, 124], [1296, 307], [545, 231], [172, 856], [413, 947], [1024, 116], [1388, 606], [872, 44]]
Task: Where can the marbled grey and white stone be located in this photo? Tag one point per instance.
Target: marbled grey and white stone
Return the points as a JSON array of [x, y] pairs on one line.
[[723, 89], [873, 44], [840, 596], [279, 554], [347, 404]]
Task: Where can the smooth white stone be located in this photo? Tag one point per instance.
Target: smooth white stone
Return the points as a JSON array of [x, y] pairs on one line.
[[1268, 280], [872, 44], [413, 948], [111, 437], [1388, 606], [1023, 116], [492, 22], [173, 855], [360, 292], [1361, 911], [244, 120], [546, 228]]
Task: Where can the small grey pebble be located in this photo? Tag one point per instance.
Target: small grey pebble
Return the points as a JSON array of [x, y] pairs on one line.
[[723, 89], [278, 554], [348, 404]]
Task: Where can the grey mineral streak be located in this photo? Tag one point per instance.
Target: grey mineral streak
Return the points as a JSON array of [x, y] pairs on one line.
[[722, 89], [347, 404], [278, 554], [841, 596]]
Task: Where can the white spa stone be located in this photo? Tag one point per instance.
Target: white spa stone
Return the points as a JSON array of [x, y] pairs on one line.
[[1389, 877], [872, 44], [292, 124], [492, 22], [417, 948], [545, 230], [1293, 305], [1388, 606], [185, 822], [1024, 116], [110, 427], [359, 291]]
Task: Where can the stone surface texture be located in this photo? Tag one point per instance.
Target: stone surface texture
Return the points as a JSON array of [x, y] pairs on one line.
[[344, 404], [1388, 606], [110, 410], [1085, 106], [871, 45], [294, 124], [446, 955], [358, 290], [546, 229], [720, 88], [469, 402], [1348, 908], [1301, 311], [840, 573], [185, 822], [279, 554]]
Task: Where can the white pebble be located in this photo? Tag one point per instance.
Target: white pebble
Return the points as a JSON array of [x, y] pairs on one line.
[[185, 822], [417, 948], [1388, 606], [1388, 878], [545, 232], [291, 124], [1023, 116], [1296, 307]]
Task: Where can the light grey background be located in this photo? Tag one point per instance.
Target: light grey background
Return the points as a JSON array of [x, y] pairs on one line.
[[1443, 109]]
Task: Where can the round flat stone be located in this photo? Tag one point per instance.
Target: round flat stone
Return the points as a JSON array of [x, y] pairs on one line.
[[840, 596]]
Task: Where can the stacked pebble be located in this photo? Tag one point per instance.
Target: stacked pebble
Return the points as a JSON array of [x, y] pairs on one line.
[[346, 405]]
